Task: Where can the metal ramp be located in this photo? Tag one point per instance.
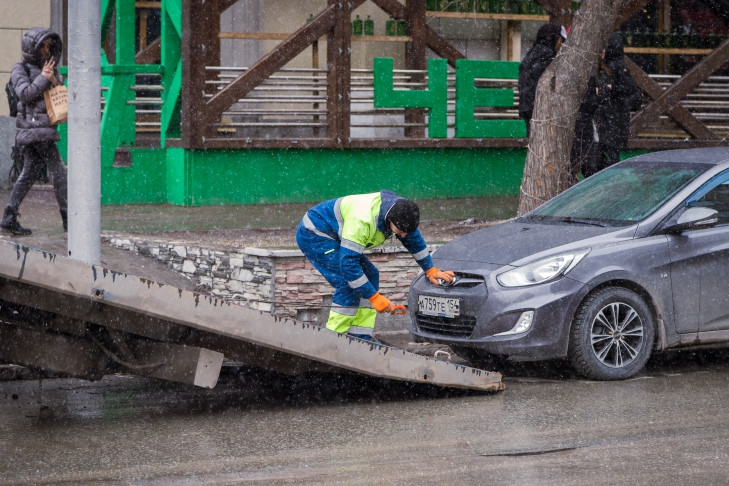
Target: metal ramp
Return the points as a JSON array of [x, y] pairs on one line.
[[69, 317]]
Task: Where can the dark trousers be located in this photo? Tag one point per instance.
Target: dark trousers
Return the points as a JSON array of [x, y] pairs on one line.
[[601, 157], [35, 154], [527, 116]]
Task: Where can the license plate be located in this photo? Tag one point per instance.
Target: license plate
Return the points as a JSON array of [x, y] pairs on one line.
[[439, 306]]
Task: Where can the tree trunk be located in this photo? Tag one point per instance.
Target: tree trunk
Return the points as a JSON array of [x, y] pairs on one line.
[[558, 97]]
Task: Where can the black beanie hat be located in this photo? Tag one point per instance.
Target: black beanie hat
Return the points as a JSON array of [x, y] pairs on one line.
[[404, 214]]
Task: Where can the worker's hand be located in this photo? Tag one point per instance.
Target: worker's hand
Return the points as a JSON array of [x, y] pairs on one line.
[[382, 303], [434, 275]]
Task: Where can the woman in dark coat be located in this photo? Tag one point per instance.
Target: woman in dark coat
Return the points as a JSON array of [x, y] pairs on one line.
[[37, 73], [617, 95], [545, 48]]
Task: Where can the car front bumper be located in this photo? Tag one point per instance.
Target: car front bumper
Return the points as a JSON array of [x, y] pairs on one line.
[[488, 309]]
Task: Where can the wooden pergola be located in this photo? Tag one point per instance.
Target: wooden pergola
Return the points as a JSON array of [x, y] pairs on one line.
[[200, 48]]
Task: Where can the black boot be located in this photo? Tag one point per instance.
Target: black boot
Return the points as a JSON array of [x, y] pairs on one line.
[[64, 217], [10, 223]]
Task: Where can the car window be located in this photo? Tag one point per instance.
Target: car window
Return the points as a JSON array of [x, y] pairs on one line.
[[620, 195], [715, 195]]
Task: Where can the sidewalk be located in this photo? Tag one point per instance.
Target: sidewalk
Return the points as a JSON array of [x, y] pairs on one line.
[[265, 225], [270, 226]]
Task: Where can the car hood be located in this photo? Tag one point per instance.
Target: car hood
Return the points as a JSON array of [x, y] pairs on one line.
[[509, 242]]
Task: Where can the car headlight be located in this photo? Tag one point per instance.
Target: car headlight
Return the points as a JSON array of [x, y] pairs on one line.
[[542, 271]]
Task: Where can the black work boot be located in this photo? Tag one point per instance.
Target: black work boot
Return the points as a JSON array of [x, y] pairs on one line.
[[64, 217], [10, 223]]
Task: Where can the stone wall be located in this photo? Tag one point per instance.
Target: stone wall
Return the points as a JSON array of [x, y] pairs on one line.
[[278, 281], [17, 17]]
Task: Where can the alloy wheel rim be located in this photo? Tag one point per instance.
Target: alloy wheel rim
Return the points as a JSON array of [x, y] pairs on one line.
[[616, 335]]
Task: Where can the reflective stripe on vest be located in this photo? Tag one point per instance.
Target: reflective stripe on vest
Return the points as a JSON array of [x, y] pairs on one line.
[[421, 254], [359, 282], [362, 331], [344, 310], [310, 226]]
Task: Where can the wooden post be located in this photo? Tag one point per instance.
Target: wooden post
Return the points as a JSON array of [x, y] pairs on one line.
[[415, 59], [339, 57], [664, 27], [511, 40], [315, 93], [193, 73], [212, 41], [433, 40]]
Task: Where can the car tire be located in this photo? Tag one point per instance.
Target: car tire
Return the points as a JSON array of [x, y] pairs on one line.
[[612, 335]]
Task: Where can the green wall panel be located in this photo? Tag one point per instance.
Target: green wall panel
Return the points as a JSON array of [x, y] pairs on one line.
[[216, 177], [177, 182], [143, 182], [303, 175]]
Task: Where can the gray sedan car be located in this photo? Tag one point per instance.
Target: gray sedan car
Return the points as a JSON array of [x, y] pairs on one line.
[[632, 260]]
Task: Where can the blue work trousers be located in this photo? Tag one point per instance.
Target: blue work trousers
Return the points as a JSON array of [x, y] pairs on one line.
[[350, 313]]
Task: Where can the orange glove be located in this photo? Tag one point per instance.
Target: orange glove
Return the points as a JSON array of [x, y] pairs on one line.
[[382, 303], [434, 275]]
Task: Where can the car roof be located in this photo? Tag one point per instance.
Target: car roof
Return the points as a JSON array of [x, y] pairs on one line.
[[707, 155]]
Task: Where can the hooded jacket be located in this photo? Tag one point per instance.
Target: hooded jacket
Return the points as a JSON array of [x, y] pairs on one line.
[[32, 122], [535, 63], [612, 115]]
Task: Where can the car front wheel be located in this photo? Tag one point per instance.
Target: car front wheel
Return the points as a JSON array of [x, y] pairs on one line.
[[612, 335]]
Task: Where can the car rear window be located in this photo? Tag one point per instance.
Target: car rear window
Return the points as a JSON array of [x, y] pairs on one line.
[[620, 195]]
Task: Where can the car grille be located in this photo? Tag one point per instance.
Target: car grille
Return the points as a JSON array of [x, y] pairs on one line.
[[465, 281], [461, 326]]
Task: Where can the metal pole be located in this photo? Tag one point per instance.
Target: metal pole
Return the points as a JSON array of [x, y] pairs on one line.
[[84, 135]]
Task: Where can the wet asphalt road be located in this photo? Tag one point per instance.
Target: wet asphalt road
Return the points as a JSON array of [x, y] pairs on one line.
[[668, 426]]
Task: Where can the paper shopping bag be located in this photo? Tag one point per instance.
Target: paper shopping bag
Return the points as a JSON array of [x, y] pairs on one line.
[[57, 104]]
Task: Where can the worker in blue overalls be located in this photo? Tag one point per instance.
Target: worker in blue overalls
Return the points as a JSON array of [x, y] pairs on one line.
[[334, 235]]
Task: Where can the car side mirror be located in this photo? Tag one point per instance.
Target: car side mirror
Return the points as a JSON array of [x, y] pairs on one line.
[[694, 218]]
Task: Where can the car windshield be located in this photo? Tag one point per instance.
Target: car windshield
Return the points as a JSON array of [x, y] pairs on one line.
[[619, 196]]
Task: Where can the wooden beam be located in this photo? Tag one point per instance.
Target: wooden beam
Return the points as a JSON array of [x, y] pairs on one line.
[[655, 144], [671, 97], [664, 27], [224, 5], [415, 59], [272, 62], [678, 113], [339, 50], [393, 8], [433, 40], [441, 47], [192, 108], [150, 54], [415, 21], [212, 41]]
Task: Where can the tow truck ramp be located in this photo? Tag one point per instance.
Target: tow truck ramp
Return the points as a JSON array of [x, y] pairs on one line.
[[72, 318]]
